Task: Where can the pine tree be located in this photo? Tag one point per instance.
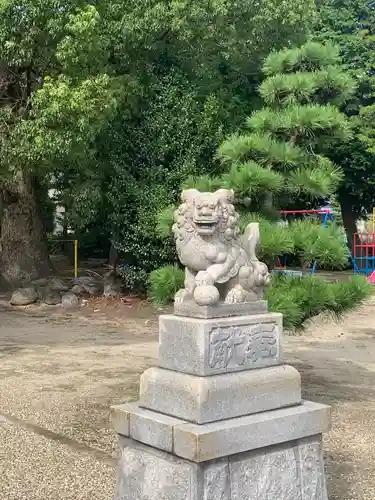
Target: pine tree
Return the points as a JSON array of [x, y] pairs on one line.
[[279, 160]]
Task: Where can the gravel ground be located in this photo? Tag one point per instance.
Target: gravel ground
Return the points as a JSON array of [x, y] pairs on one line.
[[60, 373]]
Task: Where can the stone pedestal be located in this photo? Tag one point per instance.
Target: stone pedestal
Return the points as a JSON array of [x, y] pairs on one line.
[[221, 418]]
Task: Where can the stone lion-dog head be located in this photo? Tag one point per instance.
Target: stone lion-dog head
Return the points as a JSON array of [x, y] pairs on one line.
[[206, 214]]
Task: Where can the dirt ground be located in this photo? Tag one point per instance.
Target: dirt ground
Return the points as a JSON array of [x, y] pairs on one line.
[[60, 372]]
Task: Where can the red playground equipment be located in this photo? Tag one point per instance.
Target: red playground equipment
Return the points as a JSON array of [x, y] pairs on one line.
[[364, 254]]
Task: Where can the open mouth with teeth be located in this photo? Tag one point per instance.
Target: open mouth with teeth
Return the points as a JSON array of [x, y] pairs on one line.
[[205, 226]]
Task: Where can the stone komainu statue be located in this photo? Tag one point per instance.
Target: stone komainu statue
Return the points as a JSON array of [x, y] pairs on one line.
[[220, 265]]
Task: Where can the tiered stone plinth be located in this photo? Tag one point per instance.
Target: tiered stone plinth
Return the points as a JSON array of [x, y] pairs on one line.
[[221, 418]]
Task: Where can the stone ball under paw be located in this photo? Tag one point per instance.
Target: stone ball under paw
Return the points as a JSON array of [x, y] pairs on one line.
[[206, 295]]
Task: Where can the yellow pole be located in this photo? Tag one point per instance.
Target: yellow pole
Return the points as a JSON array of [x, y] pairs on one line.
[[76, 258]]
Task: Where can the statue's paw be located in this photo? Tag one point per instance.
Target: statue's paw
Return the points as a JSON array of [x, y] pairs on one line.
[[182, 296], [236, 295]]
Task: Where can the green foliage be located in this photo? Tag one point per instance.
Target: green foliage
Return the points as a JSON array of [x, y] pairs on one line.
[[305, 239], [350, 24], [250, 178], [262, 148], [275, 239], [299, 299], [202, 183], [283, 153], [308, 123], [134, 278], [165, 220], [164, 283], [153, 155], [347, 296], [302, 88], [309, 58], [367, 119], [190, 91], [325, 245], [127, 99]]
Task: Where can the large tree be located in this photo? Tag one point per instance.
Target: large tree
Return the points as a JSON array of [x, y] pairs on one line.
[[39, 43], [351, 25], [117, 101]]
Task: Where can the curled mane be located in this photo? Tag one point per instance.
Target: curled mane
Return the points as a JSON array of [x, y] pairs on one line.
[[184, 227]]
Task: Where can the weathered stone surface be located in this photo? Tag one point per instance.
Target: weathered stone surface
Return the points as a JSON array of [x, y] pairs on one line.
[[93, 290], [120, 418], [220, 265], [222, 310], [154, 429], [146, 474], [112, 289], [219, 345], [39, 282], [293, 470], [49, 296], [58, 285], [312, 469], [274, 473], [219, 397], [24, 296], [83, 280], [90, 285], [70, 300], [78, 289], [200, 443]]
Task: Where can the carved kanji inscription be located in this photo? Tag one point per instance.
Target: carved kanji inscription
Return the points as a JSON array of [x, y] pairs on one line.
[[246, 345]]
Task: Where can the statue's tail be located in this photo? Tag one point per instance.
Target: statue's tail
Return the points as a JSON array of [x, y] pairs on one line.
[[250, 240]]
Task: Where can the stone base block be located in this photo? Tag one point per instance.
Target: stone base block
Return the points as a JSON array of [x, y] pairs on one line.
[[201, 443], [219, 397], [292, 471], [219, 345], [221, 310]]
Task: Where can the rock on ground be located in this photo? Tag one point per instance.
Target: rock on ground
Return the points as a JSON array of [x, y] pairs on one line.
[[49, 296], [70, 300], [58, 285], [112, 289], [39, 282], [78, 289], [89, 284], [24, 296]]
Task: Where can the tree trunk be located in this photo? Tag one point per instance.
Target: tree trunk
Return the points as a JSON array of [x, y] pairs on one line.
[[349, 218], [23, 243]]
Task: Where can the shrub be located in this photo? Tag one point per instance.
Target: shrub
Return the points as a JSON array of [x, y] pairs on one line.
[[346, 296], [164, 283], [134, 278], [313, 242], [299, 299]]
